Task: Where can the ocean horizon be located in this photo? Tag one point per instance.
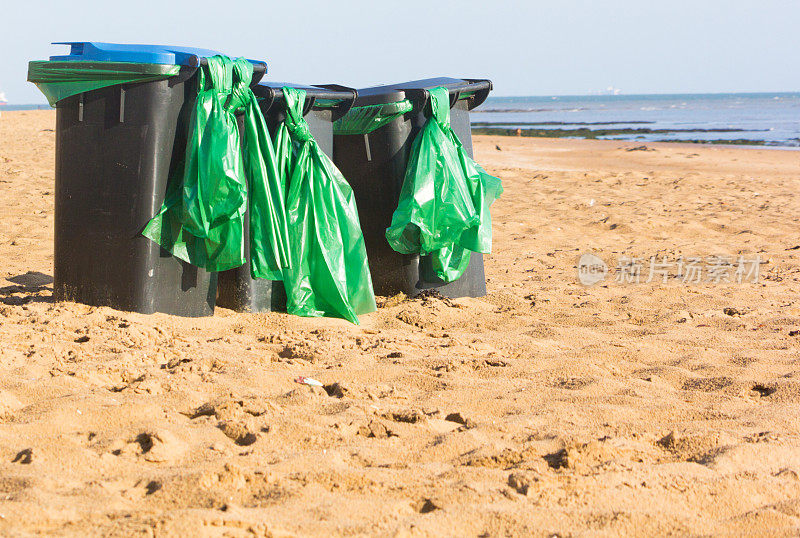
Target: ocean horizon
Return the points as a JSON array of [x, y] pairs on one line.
[[745, 118], [10, 107], [753, 118]]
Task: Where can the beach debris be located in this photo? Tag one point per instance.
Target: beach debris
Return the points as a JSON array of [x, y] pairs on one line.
[[432, 293], [640, 148], [558, 459], [148, 487], [394, 300], [796, 247], [731, 311], [763, 437], [336, 390], [763, 390], [23, 456], [498, 148], [82, 339], [308, 381], [426, 506], [794, 333], [785, 472]]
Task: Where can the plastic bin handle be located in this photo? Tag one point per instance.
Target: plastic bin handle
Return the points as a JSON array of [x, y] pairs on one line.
[[481, 87], [345, 104], [346, 97], [478, 87]]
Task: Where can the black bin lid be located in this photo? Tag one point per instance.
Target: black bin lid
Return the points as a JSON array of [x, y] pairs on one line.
[[379, 95], [338, 98], [475, 90]]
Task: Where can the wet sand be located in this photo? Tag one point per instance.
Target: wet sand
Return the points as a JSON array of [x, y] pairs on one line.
[[545, 408]]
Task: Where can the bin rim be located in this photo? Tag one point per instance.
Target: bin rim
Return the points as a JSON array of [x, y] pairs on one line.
[[473, 90], [338, 98]]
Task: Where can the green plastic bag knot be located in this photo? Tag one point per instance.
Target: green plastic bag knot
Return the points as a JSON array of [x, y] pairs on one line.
[[440, 106], [240, 91], [295, 122], [300, 131]]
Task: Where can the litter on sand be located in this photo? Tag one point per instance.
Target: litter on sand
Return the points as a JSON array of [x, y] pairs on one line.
[[308, 381]]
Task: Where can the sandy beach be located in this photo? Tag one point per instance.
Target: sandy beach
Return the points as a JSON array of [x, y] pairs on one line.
[[545, 408]]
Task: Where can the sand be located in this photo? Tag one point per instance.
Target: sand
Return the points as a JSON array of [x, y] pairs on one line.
[[545, 408]]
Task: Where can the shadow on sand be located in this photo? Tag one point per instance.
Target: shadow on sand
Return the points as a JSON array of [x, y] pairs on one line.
[[31, 287]]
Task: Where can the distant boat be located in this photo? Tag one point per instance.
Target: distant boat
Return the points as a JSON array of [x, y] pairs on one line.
[[611, 90]]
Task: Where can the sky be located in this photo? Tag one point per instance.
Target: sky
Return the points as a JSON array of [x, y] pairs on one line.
[[566, 47]]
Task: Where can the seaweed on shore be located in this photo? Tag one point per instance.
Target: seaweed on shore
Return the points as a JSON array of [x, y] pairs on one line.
[[633, 133], [590, 133], [638, 122], [734, 142]]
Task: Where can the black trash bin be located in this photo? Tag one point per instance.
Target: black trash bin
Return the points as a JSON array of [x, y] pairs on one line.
[[115, 150], [375, 166], [237, 290]]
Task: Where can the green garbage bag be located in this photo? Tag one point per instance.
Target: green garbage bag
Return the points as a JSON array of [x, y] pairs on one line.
[[443, 210], [367, 118], [59, 80], [269, 234], [329, 274], [201, 220]]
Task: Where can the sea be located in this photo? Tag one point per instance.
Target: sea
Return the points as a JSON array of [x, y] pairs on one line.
[[771, 119], [3, 108]]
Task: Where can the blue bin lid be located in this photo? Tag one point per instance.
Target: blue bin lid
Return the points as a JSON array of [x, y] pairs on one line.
[[119, 52]]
